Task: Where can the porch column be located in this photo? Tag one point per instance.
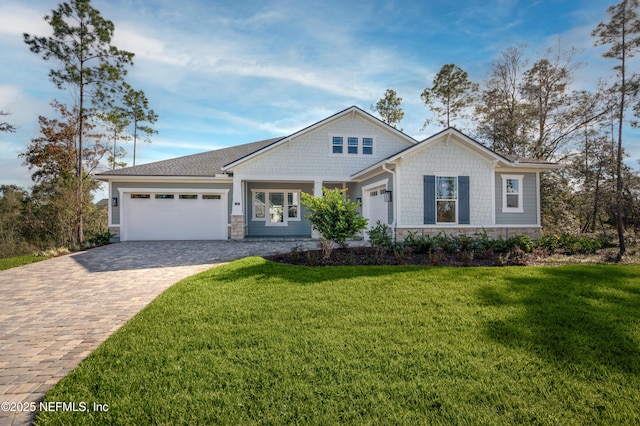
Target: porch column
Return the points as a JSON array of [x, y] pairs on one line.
[[237, 210], [317, 192]]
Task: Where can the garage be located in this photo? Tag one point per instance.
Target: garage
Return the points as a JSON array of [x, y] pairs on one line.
[[174, 216]]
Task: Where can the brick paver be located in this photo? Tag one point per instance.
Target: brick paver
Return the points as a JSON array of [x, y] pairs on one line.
[[54, 313]]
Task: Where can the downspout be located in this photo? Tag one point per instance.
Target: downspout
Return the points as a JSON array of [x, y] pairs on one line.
[[393, 200]]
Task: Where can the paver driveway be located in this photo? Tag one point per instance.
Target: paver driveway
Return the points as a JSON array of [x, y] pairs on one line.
[[54, 313]]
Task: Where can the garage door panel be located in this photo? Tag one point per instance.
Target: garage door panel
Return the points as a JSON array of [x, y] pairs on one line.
[[175, 219]]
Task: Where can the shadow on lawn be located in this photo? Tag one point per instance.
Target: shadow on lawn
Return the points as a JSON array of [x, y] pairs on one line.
[[258, 268], [572, 316]]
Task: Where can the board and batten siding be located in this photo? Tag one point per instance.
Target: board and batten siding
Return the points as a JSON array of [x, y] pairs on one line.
[[529, 216], [155, 187]]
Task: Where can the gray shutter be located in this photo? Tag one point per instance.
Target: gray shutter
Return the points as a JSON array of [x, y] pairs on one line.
[[464, 212], [430, 200]]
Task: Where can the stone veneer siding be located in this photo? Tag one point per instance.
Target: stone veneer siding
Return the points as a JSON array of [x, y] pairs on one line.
[[492, 232], [238, 231]]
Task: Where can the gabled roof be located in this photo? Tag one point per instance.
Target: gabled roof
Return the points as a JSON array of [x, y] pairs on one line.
[[351, 110], [205, 164], [503, 160]]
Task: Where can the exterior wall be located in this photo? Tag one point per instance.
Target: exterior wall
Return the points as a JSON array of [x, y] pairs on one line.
[[444, 159], [355, 190], [492, 232], [116, 186], [301, 228], [529, 201], [309, 157]]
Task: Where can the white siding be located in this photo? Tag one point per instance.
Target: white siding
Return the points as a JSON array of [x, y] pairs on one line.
[[444, 159], [309, 155]]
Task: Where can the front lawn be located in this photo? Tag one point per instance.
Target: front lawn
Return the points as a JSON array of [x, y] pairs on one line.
[[255, 342], [13, 262]]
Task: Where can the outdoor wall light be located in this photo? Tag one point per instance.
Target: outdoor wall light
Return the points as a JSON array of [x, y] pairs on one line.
[[114, 201], [387, 195], [359, 200]]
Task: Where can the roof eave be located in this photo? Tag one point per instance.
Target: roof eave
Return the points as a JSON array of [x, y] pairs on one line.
[[351, 110]]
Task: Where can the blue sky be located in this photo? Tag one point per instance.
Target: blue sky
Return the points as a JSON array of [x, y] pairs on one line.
[[221, 73]]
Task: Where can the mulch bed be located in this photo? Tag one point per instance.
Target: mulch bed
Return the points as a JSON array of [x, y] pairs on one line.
[[374, 256]]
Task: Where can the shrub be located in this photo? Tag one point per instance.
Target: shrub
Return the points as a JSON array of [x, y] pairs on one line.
[[334, 216], [100, 239], [380, 236]]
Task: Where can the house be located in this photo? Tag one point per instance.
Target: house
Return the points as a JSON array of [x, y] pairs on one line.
[[447, 182]]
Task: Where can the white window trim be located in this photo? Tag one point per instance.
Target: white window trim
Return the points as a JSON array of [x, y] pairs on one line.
[[345, 146], [520, 208], [266, 197], [457, 200]]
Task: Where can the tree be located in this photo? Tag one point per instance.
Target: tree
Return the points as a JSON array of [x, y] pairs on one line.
[[334, 216], [389, 108], [137, 112], [116, 124], [88, 64], [12, 199], [4, 126], [452, 93], [54, 157], [502, 117], [622, 34]]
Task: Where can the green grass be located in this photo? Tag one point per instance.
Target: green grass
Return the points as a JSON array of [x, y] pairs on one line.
[[13, 262], [255, 342]]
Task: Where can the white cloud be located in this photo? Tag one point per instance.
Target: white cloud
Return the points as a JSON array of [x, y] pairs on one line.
[[17, 19]]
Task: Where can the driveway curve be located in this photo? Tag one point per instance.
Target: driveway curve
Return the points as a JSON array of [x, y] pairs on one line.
[[54, 313]]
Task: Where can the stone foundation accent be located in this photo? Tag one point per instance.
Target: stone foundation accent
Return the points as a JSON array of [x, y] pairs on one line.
[[494, 233], [238, 231], [115, 231]]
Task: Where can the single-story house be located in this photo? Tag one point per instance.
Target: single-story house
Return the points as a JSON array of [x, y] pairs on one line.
[[447, 182]]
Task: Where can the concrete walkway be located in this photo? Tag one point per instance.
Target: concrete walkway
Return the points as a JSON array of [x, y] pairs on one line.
[[54, 313]]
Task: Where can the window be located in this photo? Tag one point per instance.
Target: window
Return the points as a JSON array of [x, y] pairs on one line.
[[276, 207], [367, 146], [292, 205], [352, 146], [211, 197], [164, 196], [188, 196], [355, 146], [337, 144], [512, 194], [140, 196], [258, 205], [446, 199]]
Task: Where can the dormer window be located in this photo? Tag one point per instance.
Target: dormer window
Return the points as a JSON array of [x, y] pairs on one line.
[[356, 146]]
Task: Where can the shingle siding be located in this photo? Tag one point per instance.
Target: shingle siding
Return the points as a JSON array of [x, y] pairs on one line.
[[444, 159], [309, 155]]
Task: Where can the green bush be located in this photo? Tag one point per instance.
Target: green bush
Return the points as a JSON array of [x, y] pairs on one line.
[[100, 239], [380, 236], [334, 216]]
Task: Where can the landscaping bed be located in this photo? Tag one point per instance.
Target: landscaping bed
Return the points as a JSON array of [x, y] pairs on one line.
[[452, 250]]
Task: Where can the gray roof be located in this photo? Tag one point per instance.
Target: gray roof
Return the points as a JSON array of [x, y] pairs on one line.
[[205, 164]]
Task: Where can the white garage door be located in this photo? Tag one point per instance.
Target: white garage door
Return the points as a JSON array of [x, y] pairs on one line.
[[174, 216]]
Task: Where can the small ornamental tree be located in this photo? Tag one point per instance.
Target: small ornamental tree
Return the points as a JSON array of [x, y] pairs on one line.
[[334, 216]]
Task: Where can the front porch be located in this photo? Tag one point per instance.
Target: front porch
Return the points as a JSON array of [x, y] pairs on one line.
[[273, 208]]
